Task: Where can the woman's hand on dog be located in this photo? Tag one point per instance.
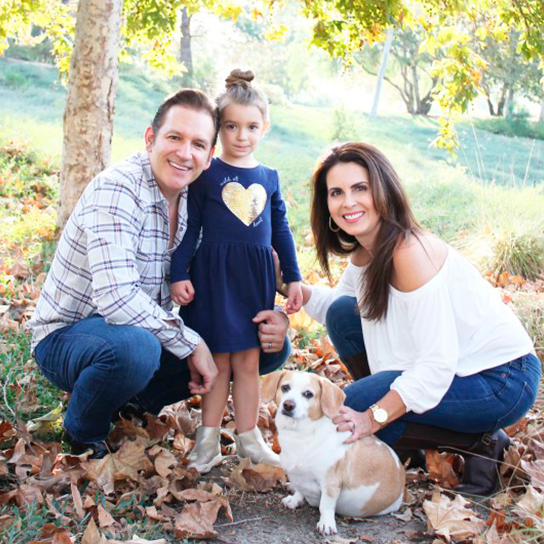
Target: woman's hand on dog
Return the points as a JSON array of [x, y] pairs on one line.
[[359, 423]]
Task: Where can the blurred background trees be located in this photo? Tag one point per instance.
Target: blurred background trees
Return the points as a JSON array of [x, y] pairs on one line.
[[443, 56]]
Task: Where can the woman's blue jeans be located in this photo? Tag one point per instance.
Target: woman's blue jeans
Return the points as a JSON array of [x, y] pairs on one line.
[[484, 402], [103, 366]]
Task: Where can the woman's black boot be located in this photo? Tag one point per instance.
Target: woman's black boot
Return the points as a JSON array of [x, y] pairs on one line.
[[482, 464], [358, 365], [482, 453]]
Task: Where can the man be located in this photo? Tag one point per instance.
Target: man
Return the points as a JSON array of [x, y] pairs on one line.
[[103, 328]]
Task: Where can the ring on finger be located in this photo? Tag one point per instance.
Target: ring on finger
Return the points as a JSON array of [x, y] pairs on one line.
[[269, 345]]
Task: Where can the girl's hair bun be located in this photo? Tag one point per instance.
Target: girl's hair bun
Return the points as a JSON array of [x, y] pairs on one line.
[[239, 78]]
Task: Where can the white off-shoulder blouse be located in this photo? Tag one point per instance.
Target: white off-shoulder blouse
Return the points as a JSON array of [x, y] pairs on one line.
[[455, 324]]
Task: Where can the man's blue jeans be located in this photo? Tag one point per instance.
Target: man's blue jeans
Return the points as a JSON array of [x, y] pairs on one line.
[[484, 402], [103, 366]]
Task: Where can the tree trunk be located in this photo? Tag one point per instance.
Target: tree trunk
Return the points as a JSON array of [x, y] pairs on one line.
[[386, 48], [510, 102], [186, 55], [490, 107], [502, 101], [415, 84], [541, 116], [90, 100], [425, 105]]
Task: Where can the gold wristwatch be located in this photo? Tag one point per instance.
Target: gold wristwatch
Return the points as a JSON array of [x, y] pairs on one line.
[[379, 414]]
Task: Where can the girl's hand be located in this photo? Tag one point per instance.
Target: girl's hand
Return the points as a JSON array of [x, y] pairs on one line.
[[294, 297], [359, 423], [182, 292]]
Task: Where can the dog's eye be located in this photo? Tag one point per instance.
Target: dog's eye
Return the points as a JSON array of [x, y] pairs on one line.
[[285, 388], [307, 394]]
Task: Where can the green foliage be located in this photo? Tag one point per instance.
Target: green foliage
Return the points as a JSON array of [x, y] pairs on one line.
[[147, 30], [513, 126], [456, 30], [344, 129], [28, 193]]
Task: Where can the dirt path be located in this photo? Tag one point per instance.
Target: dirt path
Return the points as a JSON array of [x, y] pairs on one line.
[[260, 518]]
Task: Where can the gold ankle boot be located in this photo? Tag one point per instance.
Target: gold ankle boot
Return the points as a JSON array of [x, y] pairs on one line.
[[251, 444], [206, 453]]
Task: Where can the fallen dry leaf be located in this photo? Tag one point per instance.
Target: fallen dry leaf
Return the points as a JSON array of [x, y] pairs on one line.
[[56, 535], [451, 519], [105, 519], [125, 464], [5, 521], [492, 536], [46, 422], [301, 321], [260, 477], [535, 469], [532, 505], [197, 519], [406, 516], [78, 503], [138, 540], [440, 468], [92, 535], [164, 460], [182, 443]]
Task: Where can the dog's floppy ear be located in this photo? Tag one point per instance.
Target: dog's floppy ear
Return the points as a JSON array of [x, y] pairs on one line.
[[269, 385], [332, 397]]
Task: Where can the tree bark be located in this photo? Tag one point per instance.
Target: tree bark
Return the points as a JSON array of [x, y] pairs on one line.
[[386, 48], [186, 55], [90, 100], [502, 101], [541, 116], [510, 101]]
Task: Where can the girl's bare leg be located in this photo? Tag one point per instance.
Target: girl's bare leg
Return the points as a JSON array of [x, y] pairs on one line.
[[245, 388], [213, 403]]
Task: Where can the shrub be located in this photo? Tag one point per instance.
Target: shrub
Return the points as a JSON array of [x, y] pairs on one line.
[[516, 125], [530, 309], [344, 129], [502, 250]]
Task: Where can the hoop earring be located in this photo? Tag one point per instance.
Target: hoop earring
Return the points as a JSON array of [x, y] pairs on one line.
[[330, 225]]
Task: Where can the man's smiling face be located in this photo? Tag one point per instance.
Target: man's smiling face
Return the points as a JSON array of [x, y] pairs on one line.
[[181, 149]]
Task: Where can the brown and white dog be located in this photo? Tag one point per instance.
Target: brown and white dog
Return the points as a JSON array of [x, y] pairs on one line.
[[364, 478]]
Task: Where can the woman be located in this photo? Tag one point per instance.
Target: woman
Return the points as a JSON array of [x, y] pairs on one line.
[[444, 363]]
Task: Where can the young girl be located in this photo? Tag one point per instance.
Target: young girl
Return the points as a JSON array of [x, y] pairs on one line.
[[238, 205]]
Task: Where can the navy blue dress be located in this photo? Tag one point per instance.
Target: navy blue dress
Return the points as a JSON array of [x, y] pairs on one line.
[[242, 216]]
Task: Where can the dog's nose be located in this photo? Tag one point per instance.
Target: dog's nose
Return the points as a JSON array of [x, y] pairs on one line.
[[288, 405]]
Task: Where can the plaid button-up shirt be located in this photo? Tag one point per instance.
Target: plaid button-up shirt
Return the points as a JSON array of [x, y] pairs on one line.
[[113, 259]]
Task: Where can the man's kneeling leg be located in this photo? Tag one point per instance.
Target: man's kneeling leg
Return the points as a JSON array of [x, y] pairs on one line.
[[102, 366]]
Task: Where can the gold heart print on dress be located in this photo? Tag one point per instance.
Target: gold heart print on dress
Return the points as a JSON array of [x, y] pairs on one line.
[[245, 204]]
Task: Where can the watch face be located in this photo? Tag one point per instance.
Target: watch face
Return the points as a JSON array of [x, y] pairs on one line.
[[380, 415]]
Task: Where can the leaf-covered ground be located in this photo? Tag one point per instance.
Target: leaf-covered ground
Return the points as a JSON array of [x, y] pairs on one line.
[[143, 491]]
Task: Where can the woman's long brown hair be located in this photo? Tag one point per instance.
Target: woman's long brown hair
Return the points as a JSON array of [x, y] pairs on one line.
[[393, 207]]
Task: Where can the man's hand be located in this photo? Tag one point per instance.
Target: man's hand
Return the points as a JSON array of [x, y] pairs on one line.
[[203, 370], [273, 327], [182, 292]]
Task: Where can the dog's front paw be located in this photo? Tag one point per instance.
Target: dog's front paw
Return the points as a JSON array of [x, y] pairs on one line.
[[327, 525], [293, 501]]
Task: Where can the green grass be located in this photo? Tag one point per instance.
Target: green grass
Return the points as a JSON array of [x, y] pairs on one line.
[[490, 181], [516, 126]]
